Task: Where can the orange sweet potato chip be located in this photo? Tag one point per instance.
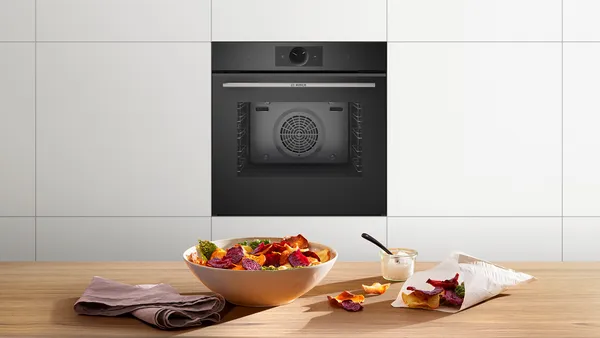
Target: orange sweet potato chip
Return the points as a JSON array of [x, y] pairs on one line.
[[337, 300], [284, 256], [413, 301], [193, 257], [324, 255], [260, 259], [313, 261], [376, 288], [218, 253], [296, 241]]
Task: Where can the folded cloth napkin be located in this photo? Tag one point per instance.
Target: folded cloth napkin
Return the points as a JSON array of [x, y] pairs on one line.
[[156, 304]]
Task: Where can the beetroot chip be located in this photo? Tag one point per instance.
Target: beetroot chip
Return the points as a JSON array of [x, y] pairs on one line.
[[259, 248], [224, 263], [235, 254], [425, 294], [296, 241], [349, 305], [250, 264], [444, 284], [296, 258], [452, 298], [276, 247], [311, 254], [272, 259]]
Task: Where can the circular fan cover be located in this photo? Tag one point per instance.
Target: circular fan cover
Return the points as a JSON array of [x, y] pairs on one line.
[[299, 134]]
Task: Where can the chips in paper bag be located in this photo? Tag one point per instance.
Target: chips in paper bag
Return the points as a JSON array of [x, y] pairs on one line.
[[457, 283]]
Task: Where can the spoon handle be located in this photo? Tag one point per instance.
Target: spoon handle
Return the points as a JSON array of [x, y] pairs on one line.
[[376, 242]]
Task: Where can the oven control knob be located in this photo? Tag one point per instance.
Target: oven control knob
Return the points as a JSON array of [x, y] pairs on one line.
[[298, 56]]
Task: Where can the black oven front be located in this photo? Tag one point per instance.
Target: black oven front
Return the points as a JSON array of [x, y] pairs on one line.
[[299, 129]]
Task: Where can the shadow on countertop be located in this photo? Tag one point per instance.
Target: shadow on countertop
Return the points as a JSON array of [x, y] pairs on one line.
[[379, 314], [354, 286], [64, 315]]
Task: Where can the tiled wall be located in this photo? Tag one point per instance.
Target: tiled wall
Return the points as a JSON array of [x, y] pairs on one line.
[[492, 124]]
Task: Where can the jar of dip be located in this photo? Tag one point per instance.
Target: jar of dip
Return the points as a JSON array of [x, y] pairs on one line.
[[399, 266]]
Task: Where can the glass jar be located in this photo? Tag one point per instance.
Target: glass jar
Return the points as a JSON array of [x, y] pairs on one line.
[[399, 266]]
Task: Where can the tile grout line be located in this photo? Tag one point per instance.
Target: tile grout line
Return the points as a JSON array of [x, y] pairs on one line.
[[303, 216], [202, 41], [562, 128], [387, 232], [387, 23], [35, 130], [120, 41], [484, 41], [128, 216]]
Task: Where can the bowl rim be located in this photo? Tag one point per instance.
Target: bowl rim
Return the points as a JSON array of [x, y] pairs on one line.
[[193, 248]]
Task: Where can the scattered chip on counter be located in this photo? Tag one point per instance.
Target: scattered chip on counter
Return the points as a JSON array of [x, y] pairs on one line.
[[346, 296], [376, 288], [349, 305]]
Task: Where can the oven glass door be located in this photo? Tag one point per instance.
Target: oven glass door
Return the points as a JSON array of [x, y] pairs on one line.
[[299, 144]]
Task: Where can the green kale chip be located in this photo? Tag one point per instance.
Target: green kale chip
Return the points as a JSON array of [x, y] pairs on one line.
[[460, 290], [206, 248], [255, 243]]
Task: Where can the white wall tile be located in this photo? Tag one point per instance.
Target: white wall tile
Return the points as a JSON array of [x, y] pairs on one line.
[[123, 20], [580, 20], [580, 239], [341, 233], [17, 20], [123, 129], [17, 129], [474, 20], [118, 239], [581, 129], [17, 239], [308, 20], [474, 129], [489, 238]]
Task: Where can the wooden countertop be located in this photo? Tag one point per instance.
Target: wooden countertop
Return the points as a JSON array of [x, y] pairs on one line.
[[36, 300]]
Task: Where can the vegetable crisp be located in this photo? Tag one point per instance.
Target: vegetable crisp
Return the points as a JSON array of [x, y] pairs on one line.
[[291, 252], [446, 292]]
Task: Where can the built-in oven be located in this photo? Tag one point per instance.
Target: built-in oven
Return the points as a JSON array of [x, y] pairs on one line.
[[299, 129]]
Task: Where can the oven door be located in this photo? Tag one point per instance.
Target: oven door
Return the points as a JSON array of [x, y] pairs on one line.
[[299, 144]]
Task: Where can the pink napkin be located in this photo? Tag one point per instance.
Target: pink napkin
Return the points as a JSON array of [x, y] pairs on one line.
[[156, 304]]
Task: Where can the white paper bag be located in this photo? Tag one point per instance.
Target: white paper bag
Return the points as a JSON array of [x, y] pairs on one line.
[[483, 280]]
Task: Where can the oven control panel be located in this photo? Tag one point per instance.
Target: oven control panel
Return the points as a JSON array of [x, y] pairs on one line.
[[298, 56]]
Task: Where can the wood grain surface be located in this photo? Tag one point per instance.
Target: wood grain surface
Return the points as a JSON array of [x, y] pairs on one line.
[[36, 300]]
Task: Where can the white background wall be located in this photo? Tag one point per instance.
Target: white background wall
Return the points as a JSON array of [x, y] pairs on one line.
[[493, 125]]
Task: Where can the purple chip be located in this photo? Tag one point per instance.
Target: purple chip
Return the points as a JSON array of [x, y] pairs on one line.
[[250, 264], [349, 305], [296, 258], [259, 248], [235, 254], [224, 263], [451, 297]]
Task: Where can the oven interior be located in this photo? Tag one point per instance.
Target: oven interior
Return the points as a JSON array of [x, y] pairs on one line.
[[299, 138]]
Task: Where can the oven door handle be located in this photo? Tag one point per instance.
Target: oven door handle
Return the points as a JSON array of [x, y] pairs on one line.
[[299, 85]]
